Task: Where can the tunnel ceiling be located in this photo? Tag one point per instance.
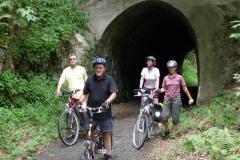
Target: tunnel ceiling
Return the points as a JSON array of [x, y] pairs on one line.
[[148, 28]]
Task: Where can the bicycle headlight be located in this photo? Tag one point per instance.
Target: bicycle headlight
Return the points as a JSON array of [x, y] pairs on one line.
[[157, 113]]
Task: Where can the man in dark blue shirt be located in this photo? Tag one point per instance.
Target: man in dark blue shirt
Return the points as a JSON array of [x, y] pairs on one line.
[[101, 90]]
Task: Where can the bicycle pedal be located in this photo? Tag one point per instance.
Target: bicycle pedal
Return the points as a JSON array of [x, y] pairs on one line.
[[102, 151]]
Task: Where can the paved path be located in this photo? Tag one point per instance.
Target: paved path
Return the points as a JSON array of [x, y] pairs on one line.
[[123, 127]]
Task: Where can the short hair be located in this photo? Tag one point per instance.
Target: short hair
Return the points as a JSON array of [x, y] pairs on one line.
[[154, 62], [73, 54]]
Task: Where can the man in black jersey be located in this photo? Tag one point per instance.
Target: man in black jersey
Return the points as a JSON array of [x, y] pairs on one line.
[[101, 90]]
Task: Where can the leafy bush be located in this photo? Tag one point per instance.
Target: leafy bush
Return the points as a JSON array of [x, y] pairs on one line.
[[190, 69], [35, 31], [30, 119], [236, 26], [219, 143], [19, 92], [237, 78]]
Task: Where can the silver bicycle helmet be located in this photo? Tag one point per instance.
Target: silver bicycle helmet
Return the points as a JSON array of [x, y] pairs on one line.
[[171, 63], [151, 58]]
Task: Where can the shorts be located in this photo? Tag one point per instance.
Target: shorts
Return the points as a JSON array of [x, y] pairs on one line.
[[173, 105], [105, 125], [75, 101], [155, 94]]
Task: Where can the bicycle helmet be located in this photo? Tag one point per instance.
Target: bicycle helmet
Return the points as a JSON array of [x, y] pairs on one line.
[[151, 58], [99, 61], [171, 63]]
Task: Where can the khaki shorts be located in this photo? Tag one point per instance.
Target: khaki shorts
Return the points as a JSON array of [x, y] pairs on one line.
[[173, 105]]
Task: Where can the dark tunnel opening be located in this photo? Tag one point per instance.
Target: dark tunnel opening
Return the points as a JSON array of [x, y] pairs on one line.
[[148, 28]]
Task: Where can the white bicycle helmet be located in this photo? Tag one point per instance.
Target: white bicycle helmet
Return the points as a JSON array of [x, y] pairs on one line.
[[171, 63]]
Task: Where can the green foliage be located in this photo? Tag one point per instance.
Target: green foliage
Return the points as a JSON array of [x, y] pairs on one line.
[[30, 119], [190, 69], [237, 78], [235, 26], [18, 91], [40, 29], [219, 143]]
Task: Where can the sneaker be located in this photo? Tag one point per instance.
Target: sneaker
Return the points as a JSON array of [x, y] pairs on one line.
[[71, 135], [172, 137], [165, 134], [109, 157]]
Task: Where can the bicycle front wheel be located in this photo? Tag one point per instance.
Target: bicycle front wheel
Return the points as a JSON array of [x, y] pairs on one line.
[[150, 126], [140, 131], [87, 152], [68, 128]]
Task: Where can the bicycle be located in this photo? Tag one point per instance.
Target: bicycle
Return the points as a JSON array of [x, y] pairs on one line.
[[144, 124], [95, 141], [68, 126]]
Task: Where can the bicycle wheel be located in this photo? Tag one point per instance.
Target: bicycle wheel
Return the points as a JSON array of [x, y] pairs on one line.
[[68, 128], [112, 148], [150, 126], [140, 131], [87, 153]]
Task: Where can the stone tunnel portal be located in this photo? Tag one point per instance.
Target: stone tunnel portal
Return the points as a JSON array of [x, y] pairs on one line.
[[147, 28]]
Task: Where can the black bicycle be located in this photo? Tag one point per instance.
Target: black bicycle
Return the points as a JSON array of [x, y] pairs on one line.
[[69, 121], [95, 142]]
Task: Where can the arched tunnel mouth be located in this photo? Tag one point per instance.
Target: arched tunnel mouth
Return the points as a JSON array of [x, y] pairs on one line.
[[148, 28]]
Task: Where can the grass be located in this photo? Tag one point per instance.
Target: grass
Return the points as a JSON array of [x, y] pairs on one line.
[[25, 130], [211, 130]]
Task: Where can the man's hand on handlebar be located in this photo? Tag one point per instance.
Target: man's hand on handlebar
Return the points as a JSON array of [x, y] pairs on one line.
[[104, 106], [78, 104], [58, 93]]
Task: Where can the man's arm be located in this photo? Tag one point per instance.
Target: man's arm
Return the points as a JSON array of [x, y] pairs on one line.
[[112, 97], [83, 97], [59, 89]]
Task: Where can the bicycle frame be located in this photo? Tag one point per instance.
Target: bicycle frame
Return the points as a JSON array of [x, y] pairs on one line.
[[144, 124], [68, 124], [70, 107], [94, 139]]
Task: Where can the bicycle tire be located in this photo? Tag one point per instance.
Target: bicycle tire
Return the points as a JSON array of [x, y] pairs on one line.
[[86, 156], [140, 131], [111, 137], [66, 128], [150, 124]]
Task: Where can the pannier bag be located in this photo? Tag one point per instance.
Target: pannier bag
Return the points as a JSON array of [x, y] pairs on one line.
[[157, 111]]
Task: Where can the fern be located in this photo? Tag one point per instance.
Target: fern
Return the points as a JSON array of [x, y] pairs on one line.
[[219, 143]]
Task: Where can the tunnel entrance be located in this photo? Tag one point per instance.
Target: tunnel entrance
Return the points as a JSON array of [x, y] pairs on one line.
[[147, 28]]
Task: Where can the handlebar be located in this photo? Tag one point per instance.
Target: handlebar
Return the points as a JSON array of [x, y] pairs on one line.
[[98, 109], [144, 92], [70, 93]]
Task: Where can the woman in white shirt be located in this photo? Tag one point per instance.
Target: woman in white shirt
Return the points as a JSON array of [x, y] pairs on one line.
[[150, 77]]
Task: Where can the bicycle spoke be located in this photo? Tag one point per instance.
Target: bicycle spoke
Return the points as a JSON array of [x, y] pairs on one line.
[[68, 128], [140, 132]]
